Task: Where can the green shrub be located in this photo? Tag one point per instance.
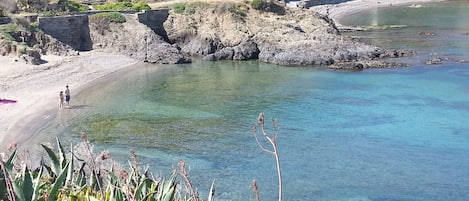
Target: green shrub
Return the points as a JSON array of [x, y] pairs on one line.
[[238, 10], [5, 30], [75, 6], [115, 6], [111, 16], [140, 6], [178, 7], [8, 27], [259, 4], [187, 8]]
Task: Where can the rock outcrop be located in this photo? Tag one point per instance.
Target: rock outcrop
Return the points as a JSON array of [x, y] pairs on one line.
[[136, 40], [291, 37], [219, 31]]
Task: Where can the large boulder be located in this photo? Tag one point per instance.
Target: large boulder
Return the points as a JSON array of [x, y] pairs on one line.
[[136, 40], [244, 51]]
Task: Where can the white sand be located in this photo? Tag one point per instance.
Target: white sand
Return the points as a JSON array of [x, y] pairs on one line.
[[36, 88], [337, 11]]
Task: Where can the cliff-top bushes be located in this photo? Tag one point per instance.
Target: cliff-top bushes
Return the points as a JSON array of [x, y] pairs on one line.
[[74, 6], [188, 8], [101, 21], [118, 6], [110, 16]]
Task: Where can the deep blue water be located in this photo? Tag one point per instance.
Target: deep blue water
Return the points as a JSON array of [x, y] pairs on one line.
[[395, 134]]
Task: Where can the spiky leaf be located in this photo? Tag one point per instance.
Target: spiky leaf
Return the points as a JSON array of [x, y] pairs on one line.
[[58, 183], [55, 163]]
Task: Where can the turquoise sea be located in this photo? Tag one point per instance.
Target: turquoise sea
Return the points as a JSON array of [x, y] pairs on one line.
[[394, 134]]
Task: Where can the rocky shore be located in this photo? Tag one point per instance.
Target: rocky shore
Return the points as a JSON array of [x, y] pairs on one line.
[[284, 36], [223, 31]]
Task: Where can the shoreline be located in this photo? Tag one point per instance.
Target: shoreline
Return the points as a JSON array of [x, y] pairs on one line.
[[36, 88], [338, 11]]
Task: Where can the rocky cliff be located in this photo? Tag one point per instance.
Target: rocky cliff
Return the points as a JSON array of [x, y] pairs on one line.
[[280, 36], [224, 31], [135, 40]]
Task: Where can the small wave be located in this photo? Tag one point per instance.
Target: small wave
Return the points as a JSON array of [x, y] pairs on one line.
[[415, 6]]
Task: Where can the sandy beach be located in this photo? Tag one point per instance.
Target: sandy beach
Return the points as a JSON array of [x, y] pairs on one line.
[[337, 11], [36, 88]]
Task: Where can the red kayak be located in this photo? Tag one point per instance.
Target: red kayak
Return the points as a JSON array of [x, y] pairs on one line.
[[7, 101]]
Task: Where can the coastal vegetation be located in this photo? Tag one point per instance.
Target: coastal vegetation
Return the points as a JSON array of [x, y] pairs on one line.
[[82, 175], [124, 5]]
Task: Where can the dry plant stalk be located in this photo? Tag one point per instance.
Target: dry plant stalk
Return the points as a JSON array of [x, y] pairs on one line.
[[255, 189], [93, 168], [272, 139], [182, 171]]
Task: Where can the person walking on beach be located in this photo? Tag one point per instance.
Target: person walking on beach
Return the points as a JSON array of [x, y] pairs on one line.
[[67, 96], [61, 99]]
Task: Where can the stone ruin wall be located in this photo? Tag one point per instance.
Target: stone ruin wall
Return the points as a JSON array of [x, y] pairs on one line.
[[71, 30], [74, 30]]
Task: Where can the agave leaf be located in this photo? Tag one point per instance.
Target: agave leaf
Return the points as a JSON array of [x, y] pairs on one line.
[[92, 198], [55, 165], [81, 178], [9, 163], [62, 156], [169, 189], [169, 195], [37, 185], [211, 194], [27, 183], [58, 183], [18, 187], [140, 192], [23, 185], [70, 167]]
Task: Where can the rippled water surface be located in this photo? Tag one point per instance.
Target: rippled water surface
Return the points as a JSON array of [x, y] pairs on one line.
[[384, 134]]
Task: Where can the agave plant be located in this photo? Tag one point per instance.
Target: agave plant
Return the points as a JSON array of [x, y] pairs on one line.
[[64, 177]]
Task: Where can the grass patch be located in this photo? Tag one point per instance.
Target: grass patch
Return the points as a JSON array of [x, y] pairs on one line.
[[118, 6], [188, 8], [178, 8], [111, 16], [75, 6]]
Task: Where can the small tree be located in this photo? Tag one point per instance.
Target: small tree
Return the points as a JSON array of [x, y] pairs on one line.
[[272, 139]]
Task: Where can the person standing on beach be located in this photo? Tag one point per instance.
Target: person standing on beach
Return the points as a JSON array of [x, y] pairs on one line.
[[67, 96], [61, 99]]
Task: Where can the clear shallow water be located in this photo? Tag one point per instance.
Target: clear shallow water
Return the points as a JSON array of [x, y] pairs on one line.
[[446, 21], [381, 134]]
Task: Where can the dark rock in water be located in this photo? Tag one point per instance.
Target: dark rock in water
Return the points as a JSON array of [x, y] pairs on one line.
[[429, 33], [244, 51], [434, 61], [397, 53], [347, 66], [357, 66], [201, 47]]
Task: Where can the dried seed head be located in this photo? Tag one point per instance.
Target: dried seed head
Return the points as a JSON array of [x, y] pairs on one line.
[[260, 119], [83, 136]]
